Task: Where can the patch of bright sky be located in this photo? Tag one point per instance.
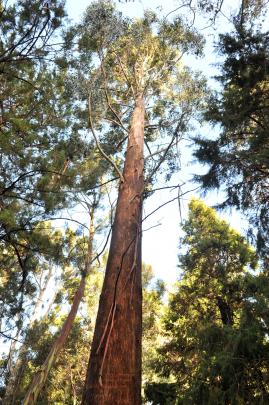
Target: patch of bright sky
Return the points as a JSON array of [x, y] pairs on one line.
[[162, 230]]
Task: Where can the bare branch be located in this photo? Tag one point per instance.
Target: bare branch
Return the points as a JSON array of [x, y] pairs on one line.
[[107, 97], [10, 337], [158, 152], [188, 4], [166, 187], [98, 143], [169, 201], [174, 136], [125, 74]]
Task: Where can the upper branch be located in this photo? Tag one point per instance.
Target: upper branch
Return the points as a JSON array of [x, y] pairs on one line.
[[111, 161]]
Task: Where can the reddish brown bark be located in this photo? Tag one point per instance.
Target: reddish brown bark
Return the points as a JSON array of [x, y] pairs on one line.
[[41, 377], [114, 372]]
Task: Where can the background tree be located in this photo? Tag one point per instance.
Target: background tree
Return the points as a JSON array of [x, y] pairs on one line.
[[66, 379], [43, 160], [64, 383], [40, 378], [20, 307], [30, 129], [238, 157], [211, 11], [216, 348], [153, 294]]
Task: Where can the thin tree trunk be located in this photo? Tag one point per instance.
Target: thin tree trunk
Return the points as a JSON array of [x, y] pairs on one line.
[[23, 357], [41, 377], [12, 350], [15, 371], [114, 371], [225, 311]]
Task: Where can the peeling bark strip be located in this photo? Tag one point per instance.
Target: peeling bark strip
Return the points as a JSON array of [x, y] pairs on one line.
[[41, 376], [114, 371]]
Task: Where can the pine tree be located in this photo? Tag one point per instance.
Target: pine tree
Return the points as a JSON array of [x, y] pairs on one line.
[[30, 129], [44, 161], [216, 348], [43, 158], [238, 157]]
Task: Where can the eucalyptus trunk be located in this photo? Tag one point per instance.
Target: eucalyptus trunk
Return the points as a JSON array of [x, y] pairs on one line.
[[40, 378], [114, 371]]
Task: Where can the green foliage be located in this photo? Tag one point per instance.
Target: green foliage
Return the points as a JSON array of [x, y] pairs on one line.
[[216, 347], [120, 59], [238, 157], [44, 158], [66, 379], [213, 341], [152, 311], [26, 30], [65, 382], [161, 393]]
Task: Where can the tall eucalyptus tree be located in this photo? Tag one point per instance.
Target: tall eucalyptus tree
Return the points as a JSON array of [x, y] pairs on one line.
[[138, 92]]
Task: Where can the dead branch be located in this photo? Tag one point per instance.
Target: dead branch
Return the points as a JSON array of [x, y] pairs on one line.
[[98, 143]]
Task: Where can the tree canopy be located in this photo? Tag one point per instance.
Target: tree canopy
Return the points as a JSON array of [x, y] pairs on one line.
[[98, 116], [215, 348], [238, 157]]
